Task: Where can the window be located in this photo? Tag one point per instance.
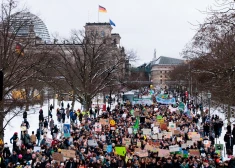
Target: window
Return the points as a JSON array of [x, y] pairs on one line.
[[161, 76], [165, 71], [161, 81], [160, 71], [165, 76]]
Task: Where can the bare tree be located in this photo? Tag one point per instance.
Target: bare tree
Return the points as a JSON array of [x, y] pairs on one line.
[[20, 59], [89, 63]]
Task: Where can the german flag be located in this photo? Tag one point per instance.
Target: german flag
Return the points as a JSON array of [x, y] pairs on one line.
[[19, 49], [102, 9]]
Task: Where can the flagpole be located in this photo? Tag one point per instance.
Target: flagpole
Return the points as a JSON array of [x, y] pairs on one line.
[[98, 15]]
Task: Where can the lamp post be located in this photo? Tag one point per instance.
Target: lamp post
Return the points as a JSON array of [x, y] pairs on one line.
[[209, 102]]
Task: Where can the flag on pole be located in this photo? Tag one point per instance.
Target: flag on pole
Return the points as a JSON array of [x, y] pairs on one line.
[[102, 9], [111, 23]]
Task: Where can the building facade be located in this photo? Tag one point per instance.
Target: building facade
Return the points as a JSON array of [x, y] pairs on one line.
[[160, 69]]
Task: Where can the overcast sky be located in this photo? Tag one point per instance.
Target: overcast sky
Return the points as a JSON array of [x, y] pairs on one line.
[[142, 24]]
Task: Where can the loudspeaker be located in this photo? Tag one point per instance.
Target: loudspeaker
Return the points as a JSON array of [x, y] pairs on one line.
[[1, 85]]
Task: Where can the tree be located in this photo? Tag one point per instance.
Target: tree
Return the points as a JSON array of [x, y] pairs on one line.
[[20, 59], [212, 52], [89, 63]]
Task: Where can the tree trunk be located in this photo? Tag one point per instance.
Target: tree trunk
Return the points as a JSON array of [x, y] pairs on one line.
[[229, 114], [2, 116], [88, 102], [73, 102], [27, 99]]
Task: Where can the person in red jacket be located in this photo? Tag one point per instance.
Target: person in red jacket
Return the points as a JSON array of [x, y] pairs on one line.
[[54, 142]]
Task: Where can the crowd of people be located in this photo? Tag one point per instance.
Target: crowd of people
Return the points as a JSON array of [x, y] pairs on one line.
[[127, 136]]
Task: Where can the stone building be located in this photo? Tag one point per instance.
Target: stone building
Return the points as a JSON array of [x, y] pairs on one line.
[[160, 69]]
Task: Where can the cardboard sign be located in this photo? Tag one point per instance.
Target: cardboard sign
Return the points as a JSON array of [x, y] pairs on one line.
[[23, 128], [58, 157], [163, 126], [92, 142], [195, 136], [155, 130], [68, 153], [154, 149], [172, 126], [154, 143], [148, 147], [194, 152], [176, 132], [146, 131], [139, 144], [163, 153], [130, 130], [174, 148], [183, 146], [189, 143], [142, 153], [154, 136], [104, 121], [160, 135], [179, 139], [126, 141], [167, 134]]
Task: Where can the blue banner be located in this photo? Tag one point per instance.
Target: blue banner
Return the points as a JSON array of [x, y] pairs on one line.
[[66, 130], [165, 101]]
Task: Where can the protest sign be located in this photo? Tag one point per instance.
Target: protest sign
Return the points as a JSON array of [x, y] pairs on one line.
[[109, 148], [154, 143], [130, 130], [195, 136], [183, 146], [57, 156], [126, 141], [154, 137], [189, 143], [185, 154], [160, 135], [176, 132], [167, 134], [155, 130], [104, 121], [92, 142], [146, 131], [66, 130], [172, 126], [37, 148], [219, 147], [163, 153], [154, 149], [68, 153], [139, 144], [174, 148], [194, 152], [148, 147], [23, 128], [120, 150], [179, 139], [163, 126], [98, 127], [142, 153], [49, 140]]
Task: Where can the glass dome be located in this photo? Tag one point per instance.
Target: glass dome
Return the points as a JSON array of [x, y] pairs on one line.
[[21, 22]]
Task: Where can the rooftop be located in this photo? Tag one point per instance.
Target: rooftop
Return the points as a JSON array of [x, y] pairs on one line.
[[97, 24], [163, 60]]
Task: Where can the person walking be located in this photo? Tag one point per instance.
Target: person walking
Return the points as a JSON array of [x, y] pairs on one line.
[[228, 139]]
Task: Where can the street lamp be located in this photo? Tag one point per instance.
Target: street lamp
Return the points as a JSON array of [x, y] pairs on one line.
[[209, 101]]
